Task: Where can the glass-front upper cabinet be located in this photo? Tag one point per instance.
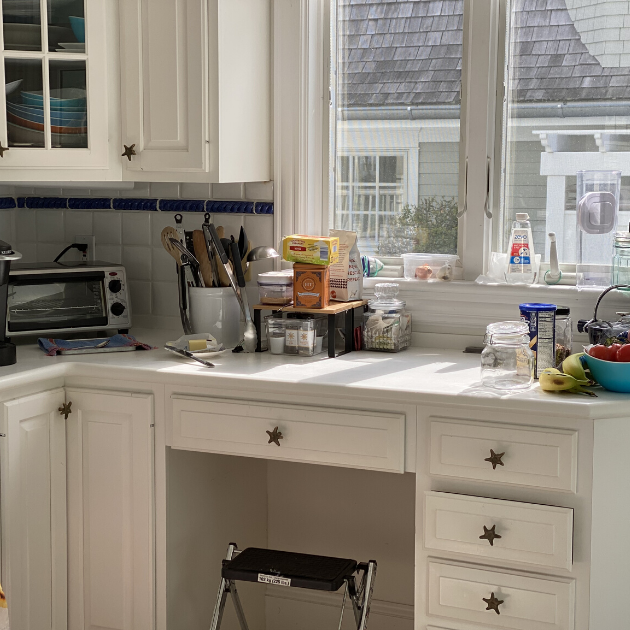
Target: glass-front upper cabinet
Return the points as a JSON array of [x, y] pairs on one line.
[[57, 86]]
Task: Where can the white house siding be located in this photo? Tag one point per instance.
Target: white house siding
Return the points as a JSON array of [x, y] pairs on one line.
[[438, 170]]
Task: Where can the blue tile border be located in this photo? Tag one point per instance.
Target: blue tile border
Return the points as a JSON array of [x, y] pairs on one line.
[[134, 203]]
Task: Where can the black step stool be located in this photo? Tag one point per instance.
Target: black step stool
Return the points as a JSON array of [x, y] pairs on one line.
[[299, 570]]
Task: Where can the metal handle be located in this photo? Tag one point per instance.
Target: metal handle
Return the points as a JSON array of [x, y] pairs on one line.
[[275, 436], [493, 603], [495, 459], [486, 205], [490, 535], [2, 150], [462, 212], [65, 410], [236, 262], [129, 151]]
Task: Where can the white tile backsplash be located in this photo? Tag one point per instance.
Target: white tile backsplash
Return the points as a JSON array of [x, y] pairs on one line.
[[259, 191], [28, 251], [164, 300], [108, 228], [140, 297], [163, 265], [164, 190], [50, 226], [26, 225], [137, 262], [7, 232], [136, 228], [195, 191], [227, 191], [108, 253], [47, 252], [78, 222]]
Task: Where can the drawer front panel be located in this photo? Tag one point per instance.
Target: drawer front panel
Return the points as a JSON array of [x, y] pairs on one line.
[[540, 458], [458, 592], [359, 439], [533, 534]]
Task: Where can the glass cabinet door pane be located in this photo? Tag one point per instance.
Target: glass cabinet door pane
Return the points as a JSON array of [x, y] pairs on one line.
[[22, 25], [68, 104], [66, 26], [25, 102]]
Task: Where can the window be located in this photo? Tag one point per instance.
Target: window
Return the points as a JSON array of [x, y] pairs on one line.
[[567, 75], [396, 81]]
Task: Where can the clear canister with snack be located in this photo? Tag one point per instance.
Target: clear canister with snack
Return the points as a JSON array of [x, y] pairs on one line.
[[387, 324]]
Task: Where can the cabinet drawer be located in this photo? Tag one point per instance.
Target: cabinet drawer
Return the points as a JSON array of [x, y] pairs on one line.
[[534, 534], [317, 435], [540, 458], [458, 592]]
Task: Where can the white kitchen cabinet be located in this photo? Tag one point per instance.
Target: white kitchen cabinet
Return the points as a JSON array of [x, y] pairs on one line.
[[110, 511], [33, 491], [77, 511], [60, 117], [196, 90]]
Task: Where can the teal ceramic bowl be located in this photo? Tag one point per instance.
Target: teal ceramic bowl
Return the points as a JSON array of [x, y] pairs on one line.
[[614, 377], [78, 28]]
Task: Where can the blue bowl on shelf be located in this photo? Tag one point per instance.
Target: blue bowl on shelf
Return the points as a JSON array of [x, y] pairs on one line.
[[78, 28], [59, 98], [60, 118], [614, 377]]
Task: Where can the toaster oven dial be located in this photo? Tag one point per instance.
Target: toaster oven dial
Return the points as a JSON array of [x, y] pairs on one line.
[[115, 286], [117, 309]]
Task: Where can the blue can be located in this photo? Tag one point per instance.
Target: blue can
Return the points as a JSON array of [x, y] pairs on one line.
[[541, 319]]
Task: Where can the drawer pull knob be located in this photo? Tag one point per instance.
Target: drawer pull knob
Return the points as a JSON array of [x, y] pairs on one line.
[[495, 459], [129, 151], [490, 535], [275, 436], [493, 603]]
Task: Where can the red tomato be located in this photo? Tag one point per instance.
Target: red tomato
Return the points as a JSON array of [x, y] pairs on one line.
[[623, 354], [603, 353]]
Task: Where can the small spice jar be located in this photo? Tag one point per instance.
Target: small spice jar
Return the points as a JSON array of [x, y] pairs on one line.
[[564, 334], [507, 361], [621, 258]]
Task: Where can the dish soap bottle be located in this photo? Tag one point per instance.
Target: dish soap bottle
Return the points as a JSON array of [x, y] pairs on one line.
[[520, 268]]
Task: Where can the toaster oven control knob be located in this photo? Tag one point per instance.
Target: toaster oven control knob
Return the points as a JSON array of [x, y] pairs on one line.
[[115, 286], [117, 309]]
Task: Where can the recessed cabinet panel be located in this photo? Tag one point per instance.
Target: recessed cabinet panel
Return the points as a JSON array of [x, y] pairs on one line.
[[502, 453], [474, 595], [501, 530], [318, 435], [164, 85]]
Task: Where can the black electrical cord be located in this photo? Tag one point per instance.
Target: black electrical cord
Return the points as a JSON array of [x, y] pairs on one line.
[[82, 247]]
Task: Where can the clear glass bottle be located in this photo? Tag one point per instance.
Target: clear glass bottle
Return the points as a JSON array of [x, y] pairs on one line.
[[387, 325], [564, 334], [521, 267], [507, 361], [621, 258]]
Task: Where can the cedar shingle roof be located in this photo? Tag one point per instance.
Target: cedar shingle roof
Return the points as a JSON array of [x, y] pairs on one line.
[[408, 53]]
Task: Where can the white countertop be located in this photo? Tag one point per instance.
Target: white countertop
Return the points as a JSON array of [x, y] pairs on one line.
[[414, 376]]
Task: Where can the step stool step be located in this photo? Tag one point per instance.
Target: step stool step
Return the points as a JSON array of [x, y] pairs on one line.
[[301, 570]]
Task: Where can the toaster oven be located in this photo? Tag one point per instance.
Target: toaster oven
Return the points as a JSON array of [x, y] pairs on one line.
[[52, 298]]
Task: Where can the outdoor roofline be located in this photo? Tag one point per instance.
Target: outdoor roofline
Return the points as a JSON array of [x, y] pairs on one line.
[[578, 109]]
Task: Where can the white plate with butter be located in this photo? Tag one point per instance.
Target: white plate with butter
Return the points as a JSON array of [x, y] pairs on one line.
[[198, 343]]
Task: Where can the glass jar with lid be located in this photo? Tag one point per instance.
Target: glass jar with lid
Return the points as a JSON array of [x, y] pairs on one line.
[[564, 334], [621, 258], [387, 324], [507, 361]]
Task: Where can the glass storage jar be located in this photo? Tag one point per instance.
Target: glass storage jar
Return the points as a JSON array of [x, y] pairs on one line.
[[276, 331], [507, 361], [387, 325], [564, 334], [621, 259], [276, 287]]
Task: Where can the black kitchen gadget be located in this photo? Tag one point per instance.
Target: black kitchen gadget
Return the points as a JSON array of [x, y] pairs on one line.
[[298, 570], [7, 255]]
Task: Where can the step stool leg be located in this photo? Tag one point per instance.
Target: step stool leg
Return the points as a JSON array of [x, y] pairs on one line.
[[238, 606], [361, 596], [343, 605], [224, 589]]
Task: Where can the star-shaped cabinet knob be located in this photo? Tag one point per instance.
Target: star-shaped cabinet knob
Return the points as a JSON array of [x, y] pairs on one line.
[[495, 459], [2, 150], [65, 410], [490, 535], [275, 436], [493, 603], [129, 151]]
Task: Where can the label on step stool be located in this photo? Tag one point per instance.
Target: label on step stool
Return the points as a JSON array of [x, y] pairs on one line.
[[274, 579]]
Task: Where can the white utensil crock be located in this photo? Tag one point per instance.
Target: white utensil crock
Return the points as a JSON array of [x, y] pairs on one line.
[[216, 311]]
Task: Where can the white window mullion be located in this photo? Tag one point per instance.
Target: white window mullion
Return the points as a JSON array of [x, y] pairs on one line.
[[479, 78]]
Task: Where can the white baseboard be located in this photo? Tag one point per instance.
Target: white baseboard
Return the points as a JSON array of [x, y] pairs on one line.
[[333, 600]]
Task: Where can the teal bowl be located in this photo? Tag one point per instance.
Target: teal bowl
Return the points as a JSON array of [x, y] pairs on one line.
[[78, 28], [614, 377]]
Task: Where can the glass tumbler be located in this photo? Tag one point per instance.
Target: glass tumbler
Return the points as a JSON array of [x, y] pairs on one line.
[[507, 361]]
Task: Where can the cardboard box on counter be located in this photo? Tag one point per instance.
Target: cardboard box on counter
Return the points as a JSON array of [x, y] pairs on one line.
[[312, 250], [311, 286]]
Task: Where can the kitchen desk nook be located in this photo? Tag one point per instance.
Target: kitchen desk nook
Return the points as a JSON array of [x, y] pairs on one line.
[[124, 477]]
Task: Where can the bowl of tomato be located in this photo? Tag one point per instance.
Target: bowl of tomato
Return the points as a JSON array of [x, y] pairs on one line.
[[610, 366]]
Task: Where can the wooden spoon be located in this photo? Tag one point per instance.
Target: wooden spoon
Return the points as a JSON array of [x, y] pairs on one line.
[[167, 233], [201, 252]]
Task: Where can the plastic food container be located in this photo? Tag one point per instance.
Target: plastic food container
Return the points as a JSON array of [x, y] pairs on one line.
[[276, 287], [429, 266]]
